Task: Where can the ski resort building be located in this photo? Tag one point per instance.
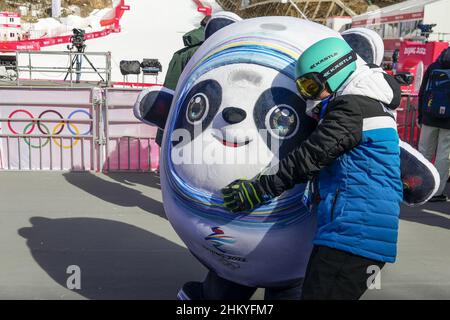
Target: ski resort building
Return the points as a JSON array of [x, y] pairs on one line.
[[10, 26], [400, 21]]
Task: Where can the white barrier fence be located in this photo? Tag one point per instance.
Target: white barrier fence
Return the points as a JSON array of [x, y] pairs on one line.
[[73, 129]]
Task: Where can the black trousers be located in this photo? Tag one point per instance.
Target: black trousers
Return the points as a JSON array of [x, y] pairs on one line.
[[217, 288], [336, 275]]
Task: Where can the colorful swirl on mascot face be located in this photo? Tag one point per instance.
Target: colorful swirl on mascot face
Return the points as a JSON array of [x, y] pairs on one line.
[[279, 212]]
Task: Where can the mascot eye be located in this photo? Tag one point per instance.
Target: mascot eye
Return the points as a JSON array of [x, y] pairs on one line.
[[282, 121], [197, 109]]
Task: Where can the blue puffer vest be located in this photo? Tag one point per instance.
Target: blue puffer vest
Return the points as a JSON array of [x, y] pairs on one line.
[[361, 191]]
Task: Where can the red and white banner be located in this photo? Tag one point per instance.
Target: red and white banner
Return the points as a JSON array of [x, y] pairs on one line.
[[9, 14], [207, 11], [118, 13], [35, 45], [395, 18], [4, 25], [112, 25]]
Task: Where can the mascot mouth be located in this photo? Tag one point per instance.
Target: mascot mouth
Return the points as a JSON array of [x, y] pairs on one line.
[[233, 144]]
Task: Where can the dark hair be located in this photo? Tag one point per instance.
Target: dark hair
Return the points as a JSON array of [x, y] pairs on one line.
[[444, 59]]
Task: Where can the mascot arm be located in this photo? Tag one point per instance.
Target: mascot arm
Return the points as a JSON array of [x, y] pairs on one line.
[[339, 131], [153, 105], [420, 177]]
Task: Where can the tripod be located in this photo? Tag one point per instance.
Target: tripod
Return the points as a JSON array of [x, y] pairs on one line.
[[77, 62]]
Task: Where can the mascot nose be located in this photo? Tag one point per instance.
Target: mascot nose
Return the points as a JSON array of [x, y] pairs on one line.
[[233, 115]]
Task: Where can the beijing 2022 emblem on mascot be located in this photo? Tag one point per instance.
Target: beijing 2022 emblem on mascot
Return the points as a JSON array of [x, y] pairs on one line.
[[240, 83]]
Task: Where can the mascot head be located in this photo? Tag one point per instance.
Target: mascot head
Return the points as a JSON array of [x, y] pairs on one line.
[[236, 106]]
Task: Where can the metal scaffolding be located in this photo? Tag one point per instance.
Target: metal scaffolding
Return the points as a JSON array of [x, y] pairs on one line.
[[315, 10], [65, 70]]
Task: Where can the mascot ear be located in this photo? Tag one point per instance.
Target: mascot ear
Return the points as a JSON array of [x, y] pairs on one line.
[[153, 106], [220, 20], [366, 43]]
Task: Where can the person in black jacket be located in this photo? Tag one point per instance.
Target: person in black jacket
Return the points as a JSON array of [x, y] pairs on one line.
[[434, 139], [192, 41], [352, 165]]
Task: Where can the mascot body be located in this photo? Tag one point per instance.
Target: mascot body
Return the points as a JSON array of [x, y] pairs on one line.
[[239, 83]]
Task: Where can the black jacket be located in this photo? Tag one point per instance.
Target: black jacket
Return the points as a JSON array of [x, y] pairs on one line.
[[442, 62], [340, 131], [192, 41]]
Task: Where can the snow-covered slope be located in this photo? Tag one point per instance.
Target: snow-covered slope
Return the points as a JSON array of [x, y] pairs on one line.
[[151, 29], [51, 27]]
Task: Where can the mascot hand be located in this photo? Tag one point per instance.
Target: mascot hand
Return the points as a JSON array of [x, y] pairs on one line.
[[243, 195]]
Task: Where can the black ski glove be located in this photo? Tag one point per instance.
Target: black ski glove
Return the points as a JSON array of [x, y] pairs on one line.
[[244, 195]]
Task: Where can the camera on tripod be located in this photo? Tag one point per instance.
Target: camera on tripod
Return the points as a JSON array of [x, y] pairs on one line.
[[426, 29], [78, 40]]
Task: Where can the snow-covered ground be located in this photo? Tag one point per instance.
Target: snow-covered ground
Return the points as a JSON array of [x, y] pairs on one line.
[[151, 29]]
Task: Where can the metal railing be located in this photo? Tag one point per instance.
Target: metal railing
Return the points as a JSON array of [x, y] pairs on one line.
[[111, 140], [116, 101], [407, 115], [61, 166], [99, 74], [72, 129], [141, 165]]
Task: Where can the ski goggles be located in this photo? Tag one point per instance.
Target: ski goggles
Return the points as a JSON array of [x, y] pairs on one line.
[[311, 85]]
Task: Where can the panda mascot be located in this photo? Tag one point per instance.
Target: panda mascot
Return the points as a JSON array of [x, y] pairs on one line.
[[235, 110]]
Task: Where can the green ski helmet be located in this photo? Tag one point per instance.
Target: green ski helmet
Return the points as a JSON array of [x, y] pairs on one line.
[[326, 64]]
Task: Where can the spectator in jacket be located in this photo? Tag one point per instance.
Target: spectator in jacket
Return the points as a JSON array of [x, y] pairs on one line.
[[192, 41], [434, 139], [352, 165]]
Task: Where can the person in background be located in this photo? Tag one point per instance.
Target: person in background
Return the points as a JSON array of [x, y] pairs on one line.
[[192, 41], [395, 57], [434, 139]]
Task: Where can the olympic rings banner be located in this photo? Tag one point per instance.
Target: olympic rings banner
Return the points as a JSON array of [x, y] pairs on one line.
[[69, 129], [47, 138]]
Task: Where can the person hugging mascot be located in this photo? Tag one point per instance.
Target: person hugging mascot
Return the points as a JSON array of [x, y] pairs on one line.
[[235, 110]]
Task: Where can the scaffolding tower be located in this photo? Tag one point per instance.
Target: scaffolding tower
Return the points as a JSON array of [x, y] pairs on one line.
[[315, 10]]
